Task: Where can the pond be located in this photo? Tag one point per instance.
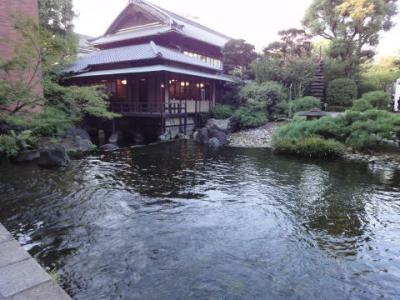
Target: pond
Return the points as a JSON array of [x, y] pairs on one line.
[[177, 221]]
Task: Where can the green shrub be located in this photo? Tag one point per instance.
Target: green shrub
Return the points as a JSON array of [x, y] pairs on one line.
[[304, 104], [309, 147], [51, 122], [341, 92], [377, 99], [372, 100], [326, 127], [8, 145], [222, 111], [267, 97], [369, 130], [248, 118], [361, 105]]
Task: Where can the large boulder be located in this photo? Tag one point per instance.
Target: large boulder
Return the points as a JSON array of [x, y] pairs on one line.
[[214, 143], [76, 140], [54, 157], [77, 132], [109, 147], [27, 156], [226, 125], [220, 135], [4, 128], [201, 136]]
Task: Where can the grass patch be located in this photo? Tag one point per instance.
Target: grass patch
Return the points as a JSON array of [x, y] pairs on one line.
[[310, 147]]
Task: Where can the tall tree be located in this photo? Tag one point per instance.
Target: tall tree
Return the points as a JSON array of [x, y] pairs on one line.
[[56, 15], [353, 26], [381, 74], [290, 61], [237, 56], [293, 43]]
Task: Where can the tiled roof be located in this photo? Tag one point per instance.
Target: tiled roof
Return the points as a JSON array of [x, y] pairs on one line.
[[175, 23], [155, 68], [129, 35], [134, 53], [193, 29]]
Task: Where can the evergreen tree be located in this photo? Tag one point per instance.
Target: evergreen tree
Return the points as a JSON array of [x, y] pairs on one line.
[[352, 26], [56, 16]]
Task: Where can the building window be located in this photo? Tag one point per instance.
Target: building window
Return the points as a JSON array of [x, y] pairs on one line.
[[117, 88], [209, 60], [188, 89]]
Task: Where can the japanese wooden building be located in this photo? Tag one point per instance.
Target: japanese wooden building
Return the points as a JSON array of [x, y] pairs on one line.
[[161, 70]]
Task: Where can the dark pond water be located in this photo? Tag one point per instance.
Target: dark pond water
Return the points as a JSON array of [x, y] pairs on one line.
[[176, 221]]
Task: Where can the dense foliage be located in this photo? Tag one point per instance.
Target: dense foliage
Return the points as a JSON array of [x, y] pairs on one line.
[[56, 16], [341, 92], [380, 75], [268, 97], [289, 61], [303, 104], [248, 118], [222, 111], [42, 53], [11, 143], [364, 131], [352, 26], [309, 147], [376, 99], [237, 56]]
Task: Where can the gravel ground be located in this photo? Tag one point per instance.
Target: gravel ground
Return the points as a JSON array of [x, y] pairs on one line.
[[254, 138]]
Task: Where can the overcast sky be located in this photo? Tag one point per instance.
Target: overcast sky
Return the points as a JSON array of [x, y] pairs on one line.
[[257, 21]]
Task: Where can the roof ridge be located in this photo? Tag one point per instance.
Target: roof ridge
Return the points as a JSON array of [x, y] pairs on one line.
[[173, 15]]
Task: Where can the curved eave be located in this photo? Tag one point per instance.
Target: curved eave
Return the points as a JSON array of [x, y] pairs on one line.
[[155, 68]]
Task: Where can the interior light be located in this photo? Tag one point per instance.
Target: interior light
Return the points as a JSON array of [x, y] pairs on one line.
[[182, 83], [162, 86], [201, 85], [187, 83], [124, 82]]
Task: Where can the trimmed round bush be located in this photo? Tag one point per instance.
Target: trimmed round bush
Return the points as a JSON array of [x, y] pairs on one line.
[[372, 100], [373, 129], [304, 104], [248, 118], [222, 111], [267, 96], [341, 92], [361, 105], [377, 99]]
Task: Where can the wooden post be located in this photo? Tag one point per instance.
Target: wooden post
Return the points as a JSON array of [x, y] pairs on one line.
[[185, 118], [195, 112], [166, 99], [166, 91], [130, 96], [213, 95], [180, 115]]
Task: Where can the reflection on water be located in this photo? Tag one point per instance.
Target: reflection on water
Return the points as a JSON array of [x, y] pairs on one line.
[[176, 221]]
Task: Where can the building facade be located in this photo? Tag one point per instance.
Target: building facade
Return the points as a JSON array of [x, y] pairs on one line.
[[10, 11], [161, 70]]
